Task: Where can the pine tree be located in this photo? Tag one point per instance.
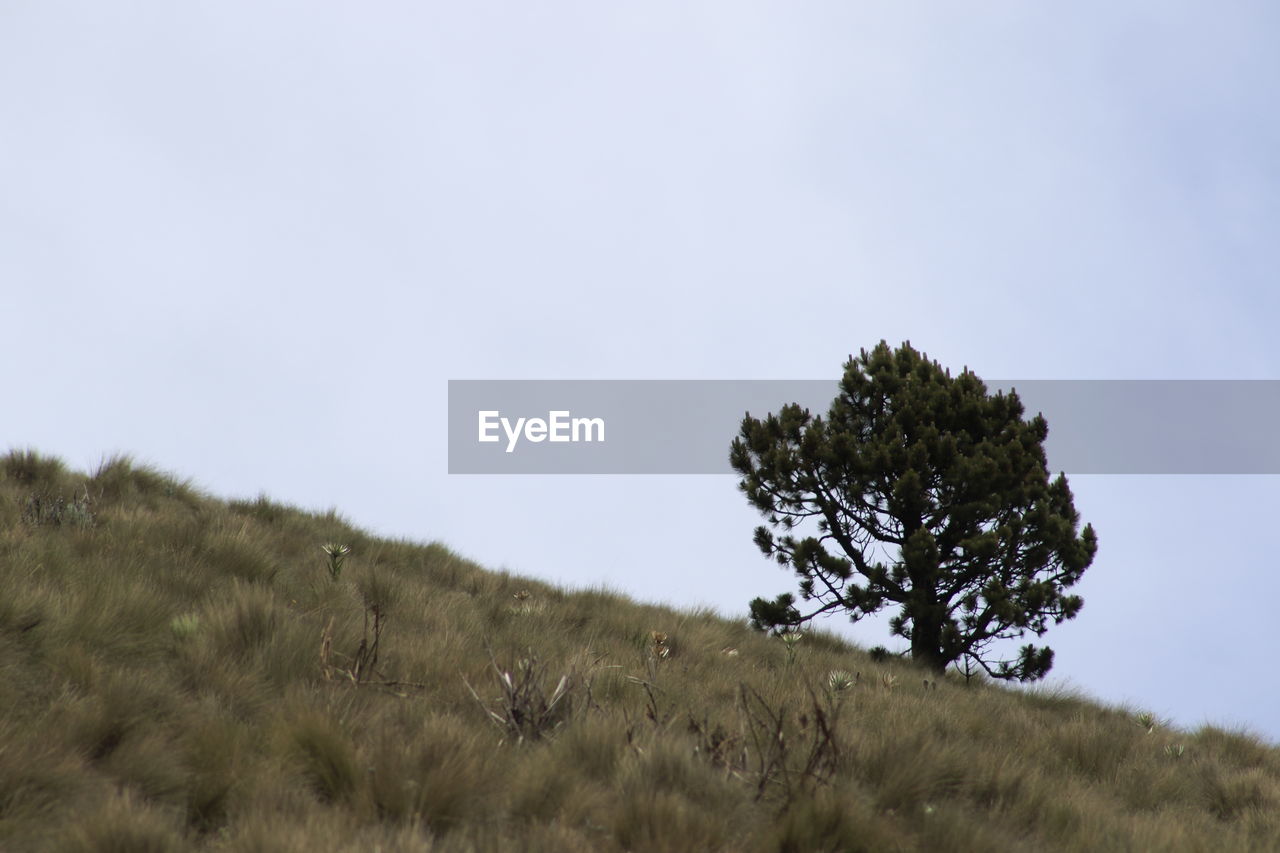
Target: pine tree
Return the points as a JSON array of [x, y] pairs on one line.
[[927, 493]]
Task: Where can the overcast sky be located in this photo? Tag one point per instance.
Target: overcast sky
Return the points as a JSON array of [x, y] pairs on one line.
[[249, 243]]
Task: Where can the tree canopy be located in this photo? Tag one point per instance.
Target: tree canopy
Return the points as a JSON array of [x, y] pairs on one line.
[[924, 491]]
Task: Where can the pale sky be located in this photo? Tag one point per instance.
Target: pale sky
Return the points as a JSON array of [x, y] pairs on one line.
[[249, 243]]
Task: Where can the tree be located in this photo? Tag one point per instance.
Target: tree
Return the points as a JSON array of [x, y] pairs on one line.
[[927, 493]]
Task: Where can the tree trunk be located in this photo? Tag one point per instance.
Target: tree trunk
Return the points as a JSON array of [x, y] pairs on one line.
[[926, 644]]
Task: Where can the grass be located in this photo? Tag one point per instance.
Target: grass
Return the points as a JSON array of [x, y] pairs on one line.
[[179, 672]]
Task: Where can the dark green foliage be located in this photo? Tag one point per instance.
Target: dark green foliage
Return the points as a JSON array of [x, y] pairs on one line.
[[927, 493]]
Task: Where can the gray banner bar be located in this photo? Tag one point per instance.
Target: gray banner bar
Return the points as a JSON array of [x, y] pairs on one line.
[[658, 426]]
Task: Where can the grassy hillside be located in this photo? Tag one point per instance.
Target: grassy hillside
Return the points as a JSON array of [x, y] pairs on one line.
[[179, 672]]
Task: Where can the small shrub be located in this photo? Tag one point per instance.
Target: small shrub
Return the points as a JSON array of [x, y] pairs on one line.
[[337, 555], [790, 640], [786, 753], [840, 681], [44, 508], [659, 645], [525, 604], [524, 710]]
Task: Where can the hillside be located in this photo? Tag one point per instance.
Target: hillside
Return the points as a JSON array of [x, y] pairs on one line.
[[181, 672]]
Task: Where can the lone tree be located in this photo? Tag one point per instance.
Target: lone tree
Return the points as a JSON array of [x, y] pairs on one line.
[[928, 493]]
